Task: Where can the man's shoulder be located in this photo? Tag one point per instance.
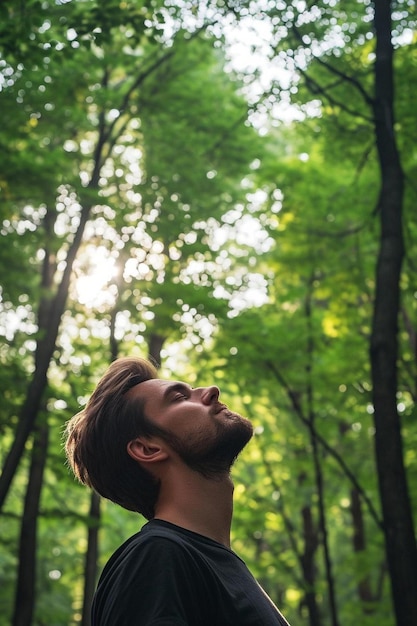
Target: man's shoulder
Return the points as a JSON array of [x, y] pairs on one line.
[[164, 570], [159, 555], [159, 541], [154, 538]]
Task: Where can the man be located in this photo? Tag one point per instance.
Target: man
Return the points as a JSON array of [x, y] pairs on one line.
[[165, 450]]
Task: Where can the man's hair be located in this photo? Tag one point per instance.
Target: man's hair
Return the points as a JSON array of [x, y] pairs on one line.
[[97, 438]]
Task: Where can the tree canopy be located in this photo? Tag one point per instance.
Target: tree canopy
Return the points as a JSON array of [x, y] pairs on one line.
[[227, 188]]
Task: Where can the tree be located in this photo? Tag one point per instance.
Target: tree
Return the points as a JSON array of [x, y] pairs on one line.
[[400, 539]]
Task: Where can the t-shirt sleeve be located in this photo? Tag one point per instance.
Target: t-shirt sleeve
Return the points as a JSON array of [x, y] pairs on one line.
[[157, 583]]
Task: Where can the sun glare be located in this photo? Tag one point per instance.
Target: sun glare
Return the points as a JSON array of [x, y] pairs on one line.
[[92, 286]]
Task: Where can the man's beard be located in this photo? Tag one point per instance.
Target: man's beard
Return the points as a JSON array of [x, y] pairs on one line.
[[213, 456]]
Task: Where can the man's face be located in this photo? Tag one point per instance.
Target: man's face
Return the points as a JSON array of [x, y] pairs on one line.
[[204, 433]]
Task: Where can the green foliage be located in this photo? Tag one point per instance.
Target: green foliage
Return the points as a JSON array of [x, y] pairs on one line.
[[123, 111]]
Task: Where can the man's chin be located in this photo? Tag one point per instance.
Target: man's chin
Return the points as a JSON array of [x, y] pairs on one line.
[[217, 458]]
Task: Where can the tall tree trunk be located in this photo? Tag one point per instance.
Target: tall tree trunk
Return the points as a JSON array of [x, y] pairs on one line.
[[308, 565], [400, 541], [91, 558], [359, 546], [50, 312], [318, 474], [49, 319], [26, 577]]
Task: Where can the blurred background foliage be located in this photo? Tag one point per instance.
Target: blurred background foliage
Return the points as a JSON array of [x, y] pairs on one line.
[[202, 183]]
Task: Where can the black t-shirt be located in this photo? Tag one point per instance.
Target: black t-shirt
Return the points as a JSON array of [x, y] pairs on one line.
[[168, 576]]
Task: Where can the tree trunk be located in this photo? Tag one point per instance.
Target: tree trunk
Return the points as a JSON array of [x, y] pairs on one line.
[[400, 541], [91, 558], [359, 546], [156, 341], [318, 474], [26, 577], [49, 319], [311, 544]]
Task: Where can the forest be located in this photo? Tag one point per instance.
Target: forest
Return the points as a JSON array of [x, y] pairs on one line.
[[228, 187]]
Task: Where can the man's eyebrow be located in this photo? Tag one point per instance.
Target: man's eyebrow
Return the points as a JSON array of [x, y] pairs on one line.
[[175, 387]]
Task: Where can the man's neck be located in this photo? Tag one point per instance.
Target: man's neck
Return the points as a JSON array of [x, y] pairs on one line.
[[204, 506]]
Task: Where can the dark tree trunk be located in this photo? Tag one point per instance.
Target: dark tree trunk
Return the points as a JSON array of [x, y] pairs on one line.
[[156, 342], [318, 474], [91, 558], [26, 577], [400, 541], [51, 309], [49, 319], [359, 546], [309, 567]]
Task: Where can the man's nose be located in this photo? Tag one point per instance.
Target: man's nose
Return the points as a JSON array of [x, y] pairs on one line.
[[209, 395]]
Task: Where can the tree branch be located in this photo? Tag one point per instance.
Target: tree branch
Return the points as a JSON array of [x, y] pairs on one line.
[[316, 88], [330, 68], [299, 412]]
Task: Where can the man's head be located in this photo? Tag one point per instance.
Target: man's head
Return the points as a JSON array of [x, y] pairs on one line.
[[199, 429], [109, 443]]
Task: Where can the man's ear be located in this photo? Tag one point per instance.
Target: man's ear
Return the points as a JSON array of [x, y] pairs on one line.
[[146, 450]]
